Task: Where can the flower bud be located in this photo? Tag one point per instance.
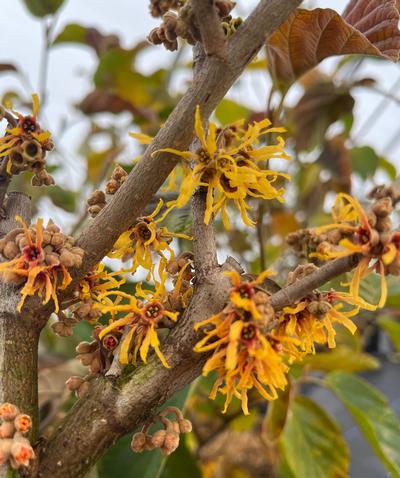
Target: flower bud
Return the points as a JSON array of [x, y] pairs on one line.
[[8, 411], [171, 443], [83, 389], [21, 453], [7, 430], [158, 438], [74, 382], [23, 423], [5, 450], [138, 442], [383, 207], [185, 426], [86, 347]]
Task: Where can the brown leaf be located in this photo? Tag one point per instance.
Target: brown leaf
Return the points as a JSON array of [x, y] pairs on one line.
[[309, 36], [100, 101], [7, 67], [335, 156], [321, 105]]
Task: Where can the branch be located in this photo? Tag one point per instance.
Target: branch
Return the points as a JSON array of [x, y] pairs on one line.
[[212, 35], [19, 336], [294, 292], [115, 407]]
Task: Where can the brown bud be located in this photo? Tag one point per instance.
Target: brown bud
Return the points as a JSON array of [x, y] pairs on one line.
[[158, 438], [83, 389], [95, 365], [138, 442], [67, 258], [384, 224], [10, 250], [74, 382], [97, 197], [5, 450], [21, 453], [52, 259], [8, 411], [7, 430], [62, 329], [23, 423], [371, 218], [185, 426], [86, 347], [383, 207], [94, 210], [171, 443]]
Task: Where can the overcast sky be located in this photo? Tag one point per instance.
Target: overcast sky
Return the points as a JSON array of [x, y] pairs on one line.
[[70, 68]]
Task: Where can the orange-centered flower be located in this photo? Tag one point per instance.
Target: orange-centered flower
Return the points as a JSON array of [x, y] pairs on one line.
[[231, 172], [139, 326]]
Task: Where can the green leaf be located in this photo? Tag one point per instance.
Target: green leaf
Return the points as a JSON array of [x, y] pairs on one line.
[[312, 442], [62, 198], [229, 111], [364, 161], [181, 464], [276, 415], [370, 410], [341, 358], [41, 8], [121, 462], [388, 167], [392, 328], [72, 33]]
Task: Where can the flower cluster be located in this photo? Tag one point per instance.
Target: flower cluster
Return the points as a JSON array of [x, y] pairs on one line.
[[357, 231], [14, 447], [40, 259], [253, 346], [142, 240], [25, 145], [139, 325], [166, 439], [230, 166], [245, 354]]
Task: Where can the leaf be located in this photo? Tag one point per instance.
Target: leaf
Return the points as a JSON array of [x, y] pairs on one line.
[[75, 33], [120, 458], [276, 416], [182, 464], [284, 222], [100, 101], [7, 67], [335, 157], [364, 161], [321, 105], [62, 198], [375, 418], [309, 36], [229, 111], [392, 328], [312, 442], [388, 167], [41, 8], [341, 358]]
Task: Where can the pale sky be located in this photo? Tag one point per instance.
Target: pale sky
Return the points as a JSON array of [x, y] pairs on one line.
[[70, 69]]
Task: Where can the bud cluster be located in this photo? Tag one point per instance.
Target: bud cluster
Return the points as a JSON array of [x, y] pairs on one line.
[[14, 447], [97, 200], [167, 439], [183, 23], [159, 7], [55, 249], [97, 355]]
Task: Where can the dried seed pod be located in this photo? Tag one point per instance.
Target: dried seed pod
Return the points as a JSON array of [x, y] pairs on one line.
[[83, 389], [97, 197], [62, 329], [74, 382], [86, 347], [384, 224], [32, 149]]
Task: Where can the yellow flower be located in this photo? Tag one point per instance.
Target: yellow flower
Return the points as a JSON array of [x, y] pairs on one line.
[[352, 221], [139, 325], [230, 173], [27, 128], [144, 239], [97, 282], [244, 355], [30, 267]]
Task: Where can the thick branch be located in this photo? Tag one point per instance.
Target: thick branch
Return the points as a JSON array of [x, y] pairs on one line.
[[19, 336], [212, 35]]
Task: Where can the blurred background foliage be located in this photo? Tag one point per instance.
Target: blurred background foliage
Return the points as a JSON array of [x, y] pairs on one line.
[[309, 431]]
